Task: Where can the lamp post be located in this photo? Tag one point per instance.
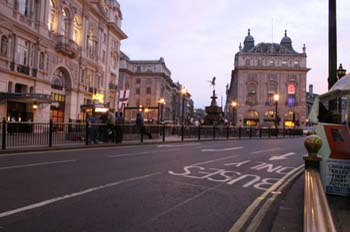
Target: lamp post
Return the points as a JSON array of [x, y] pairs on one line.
[[234, 106], [183, 93], [161, 104], [276, 98]]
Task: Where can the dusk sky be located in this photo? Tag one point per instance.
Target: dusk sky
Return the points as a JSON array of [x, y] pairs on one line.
[[198, 38]]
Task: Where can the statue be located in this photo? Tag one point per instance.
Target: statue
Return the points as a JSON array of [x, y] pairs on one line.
[[212, 82]]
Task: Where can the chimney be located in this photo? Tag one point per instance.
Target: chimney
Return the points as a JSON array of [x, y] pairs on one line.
[[311, 89]]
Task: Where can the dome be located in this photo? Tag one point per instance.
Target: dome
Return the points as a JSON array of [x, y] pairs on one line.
[[286, 39], [249, 38]]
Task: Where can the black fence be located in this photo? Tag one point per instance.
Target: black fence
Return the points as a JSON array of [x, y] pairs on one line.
[[27, 134]]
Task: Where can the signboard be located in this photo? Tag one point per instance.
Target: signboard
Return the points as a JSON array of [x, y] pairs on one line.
[[335, 164], [98, 97]]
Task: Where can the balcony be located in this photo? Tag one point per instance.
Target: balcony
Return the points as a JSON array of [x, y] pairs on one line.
[[66, 46]]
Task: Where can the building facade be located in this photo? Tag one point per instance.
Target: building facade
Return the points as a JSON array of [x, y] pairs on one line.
[[146, 83], [57, 56], [260, 72]]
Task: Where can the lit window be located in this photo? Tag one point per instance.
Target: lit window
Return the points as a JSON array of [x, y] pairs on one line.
[[22, 52], [51, 18], [148, 90], [76, 30], [64, 23]]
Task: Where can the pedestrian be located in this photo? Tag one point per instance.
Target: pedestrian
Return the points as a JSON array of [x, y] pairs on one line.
[[141, 126], [110, 124], [92, 129]]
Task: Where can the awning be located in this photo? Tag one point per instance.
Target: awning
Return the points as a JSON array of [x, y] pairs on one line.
[[93, 106], [26, 97]]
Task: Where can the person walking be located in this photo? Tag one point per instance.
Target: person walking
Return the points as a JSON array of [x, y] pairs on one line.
[[141, 126]]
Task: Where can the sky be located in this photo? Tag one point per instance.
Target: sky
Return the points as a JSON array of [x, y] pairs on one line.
[[199, 38]]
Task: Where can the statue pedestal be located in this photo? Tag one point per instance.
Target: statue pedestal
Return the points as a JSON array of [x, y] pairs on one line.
[[214, 112]]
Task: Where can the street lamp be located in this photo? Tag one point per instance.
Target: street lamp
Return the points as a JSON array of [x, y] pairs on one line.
[[161, 103], [276, 98], [183, 93], [234, 106]]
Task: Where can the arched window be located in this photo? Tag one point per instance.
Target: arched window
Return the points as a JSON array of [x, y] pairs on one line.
[[272, 90], [41, 60], [91, 44], [65, 23], [76, 30], [57, 81], [52, 16], [23, 7], [291, 95], [4, 45]]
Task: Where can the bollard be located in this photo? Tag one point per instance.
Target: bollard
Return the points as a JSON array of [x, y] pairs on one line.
[[163, 133], [87, 133], [227, 132], [141, 133], [239, 132], [269, 132], [276, 132], [213, 132], [50, 132], [199, 132], [250, 132], [3, 134], [260, 132], [284, 132], [182, 133]]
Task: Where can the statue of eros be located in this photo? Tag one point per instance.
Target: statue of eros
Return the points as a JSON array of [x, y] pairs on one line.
[[212, 82]]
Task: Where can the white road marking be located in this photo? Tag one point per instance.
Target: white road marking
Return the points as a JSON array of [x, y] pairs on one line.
[[141, 153], [267, 150], [221, 149], [76, 194], [282, 157], [214, 160], [37, 164], [178, 145]]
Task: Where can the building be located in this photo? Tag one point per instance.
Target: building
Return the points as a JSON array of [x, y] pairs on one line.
[[260, 72], [57, 57], [310, 98]]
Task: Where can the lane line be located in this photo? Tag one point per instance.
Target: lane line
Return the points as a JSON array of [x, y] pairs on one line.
[[178, 145], [72, 195], [249, 211], [221, 149], [142, 153], [37, 164], [267, 150], [214, 160], [256, 221]]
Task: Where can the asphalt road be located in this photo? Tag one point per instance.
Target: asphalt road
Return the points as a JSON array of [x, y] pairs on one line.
[[200, 186]]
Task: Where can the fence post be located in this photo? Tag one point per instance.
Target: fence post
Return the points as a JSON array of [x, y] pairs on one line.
[[141, 133], [214, 132], [163, 132], [269, 132], [3, 134], [239, 132], [87, 133], [277, 132], [250, 132], [260, 132], [50, 132], [199, 132], [227, 131], [284, 131], [182, 133]]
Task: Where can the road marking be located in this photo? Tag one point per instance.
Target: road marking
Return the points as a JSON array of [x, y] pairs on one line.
[[72, 195], [178, 145], [141, 153], [221, 149], [267, 150], [49, 152], [249, 211], [214, 160], [282, 157], [37, 164], [263, 210]]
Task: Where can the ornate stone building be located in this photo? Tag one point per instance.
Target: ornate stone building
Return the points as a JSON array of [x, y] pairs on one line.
[[260, 72], [148, 81], [56, 56]]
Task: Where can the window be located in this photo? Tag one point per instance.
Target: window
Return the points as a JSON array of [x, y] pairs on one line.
[[65, 23], [291, 95], [52, 16], [272, 63], [247, 62], [103, 55], [149, 81], [251, 97], [137, 90], [4, 45], [22, 52], [284, 63], [272, 89], [148, 102], [148, 90], [138, 81], [91, 45], [296, 64], [41, 60], [76, 30], [137, 102], [23, 7]]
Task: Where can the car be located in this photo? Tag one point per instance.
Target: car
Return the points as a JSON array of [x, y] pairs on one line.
[[309, 131]]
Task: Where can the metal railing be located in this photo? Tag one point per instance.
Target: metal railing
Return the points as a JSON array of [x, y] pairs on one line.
[[317, 214], [28, 134]]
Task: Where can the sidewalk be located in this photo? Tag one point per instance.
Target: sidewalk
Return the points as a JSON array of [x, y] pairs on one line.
[[340, 207]]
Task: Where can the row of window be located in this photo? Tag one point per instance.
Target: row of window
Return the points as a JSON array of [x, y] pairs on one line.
[[148, 91], [272, 63]]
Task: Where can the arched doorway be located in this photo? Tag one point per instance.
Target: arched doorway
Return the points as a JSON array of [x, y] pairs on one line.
[[291, 119], [61, 93], [270, 118], [251, 118]]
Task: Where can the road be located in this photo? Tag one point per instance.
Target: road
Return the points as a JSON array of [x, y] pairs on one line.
[[199, 186]]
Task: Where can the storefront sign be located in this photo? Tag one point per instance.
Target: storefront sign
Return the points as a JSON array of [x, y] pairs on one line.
[[98, 97], [338, 177]]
